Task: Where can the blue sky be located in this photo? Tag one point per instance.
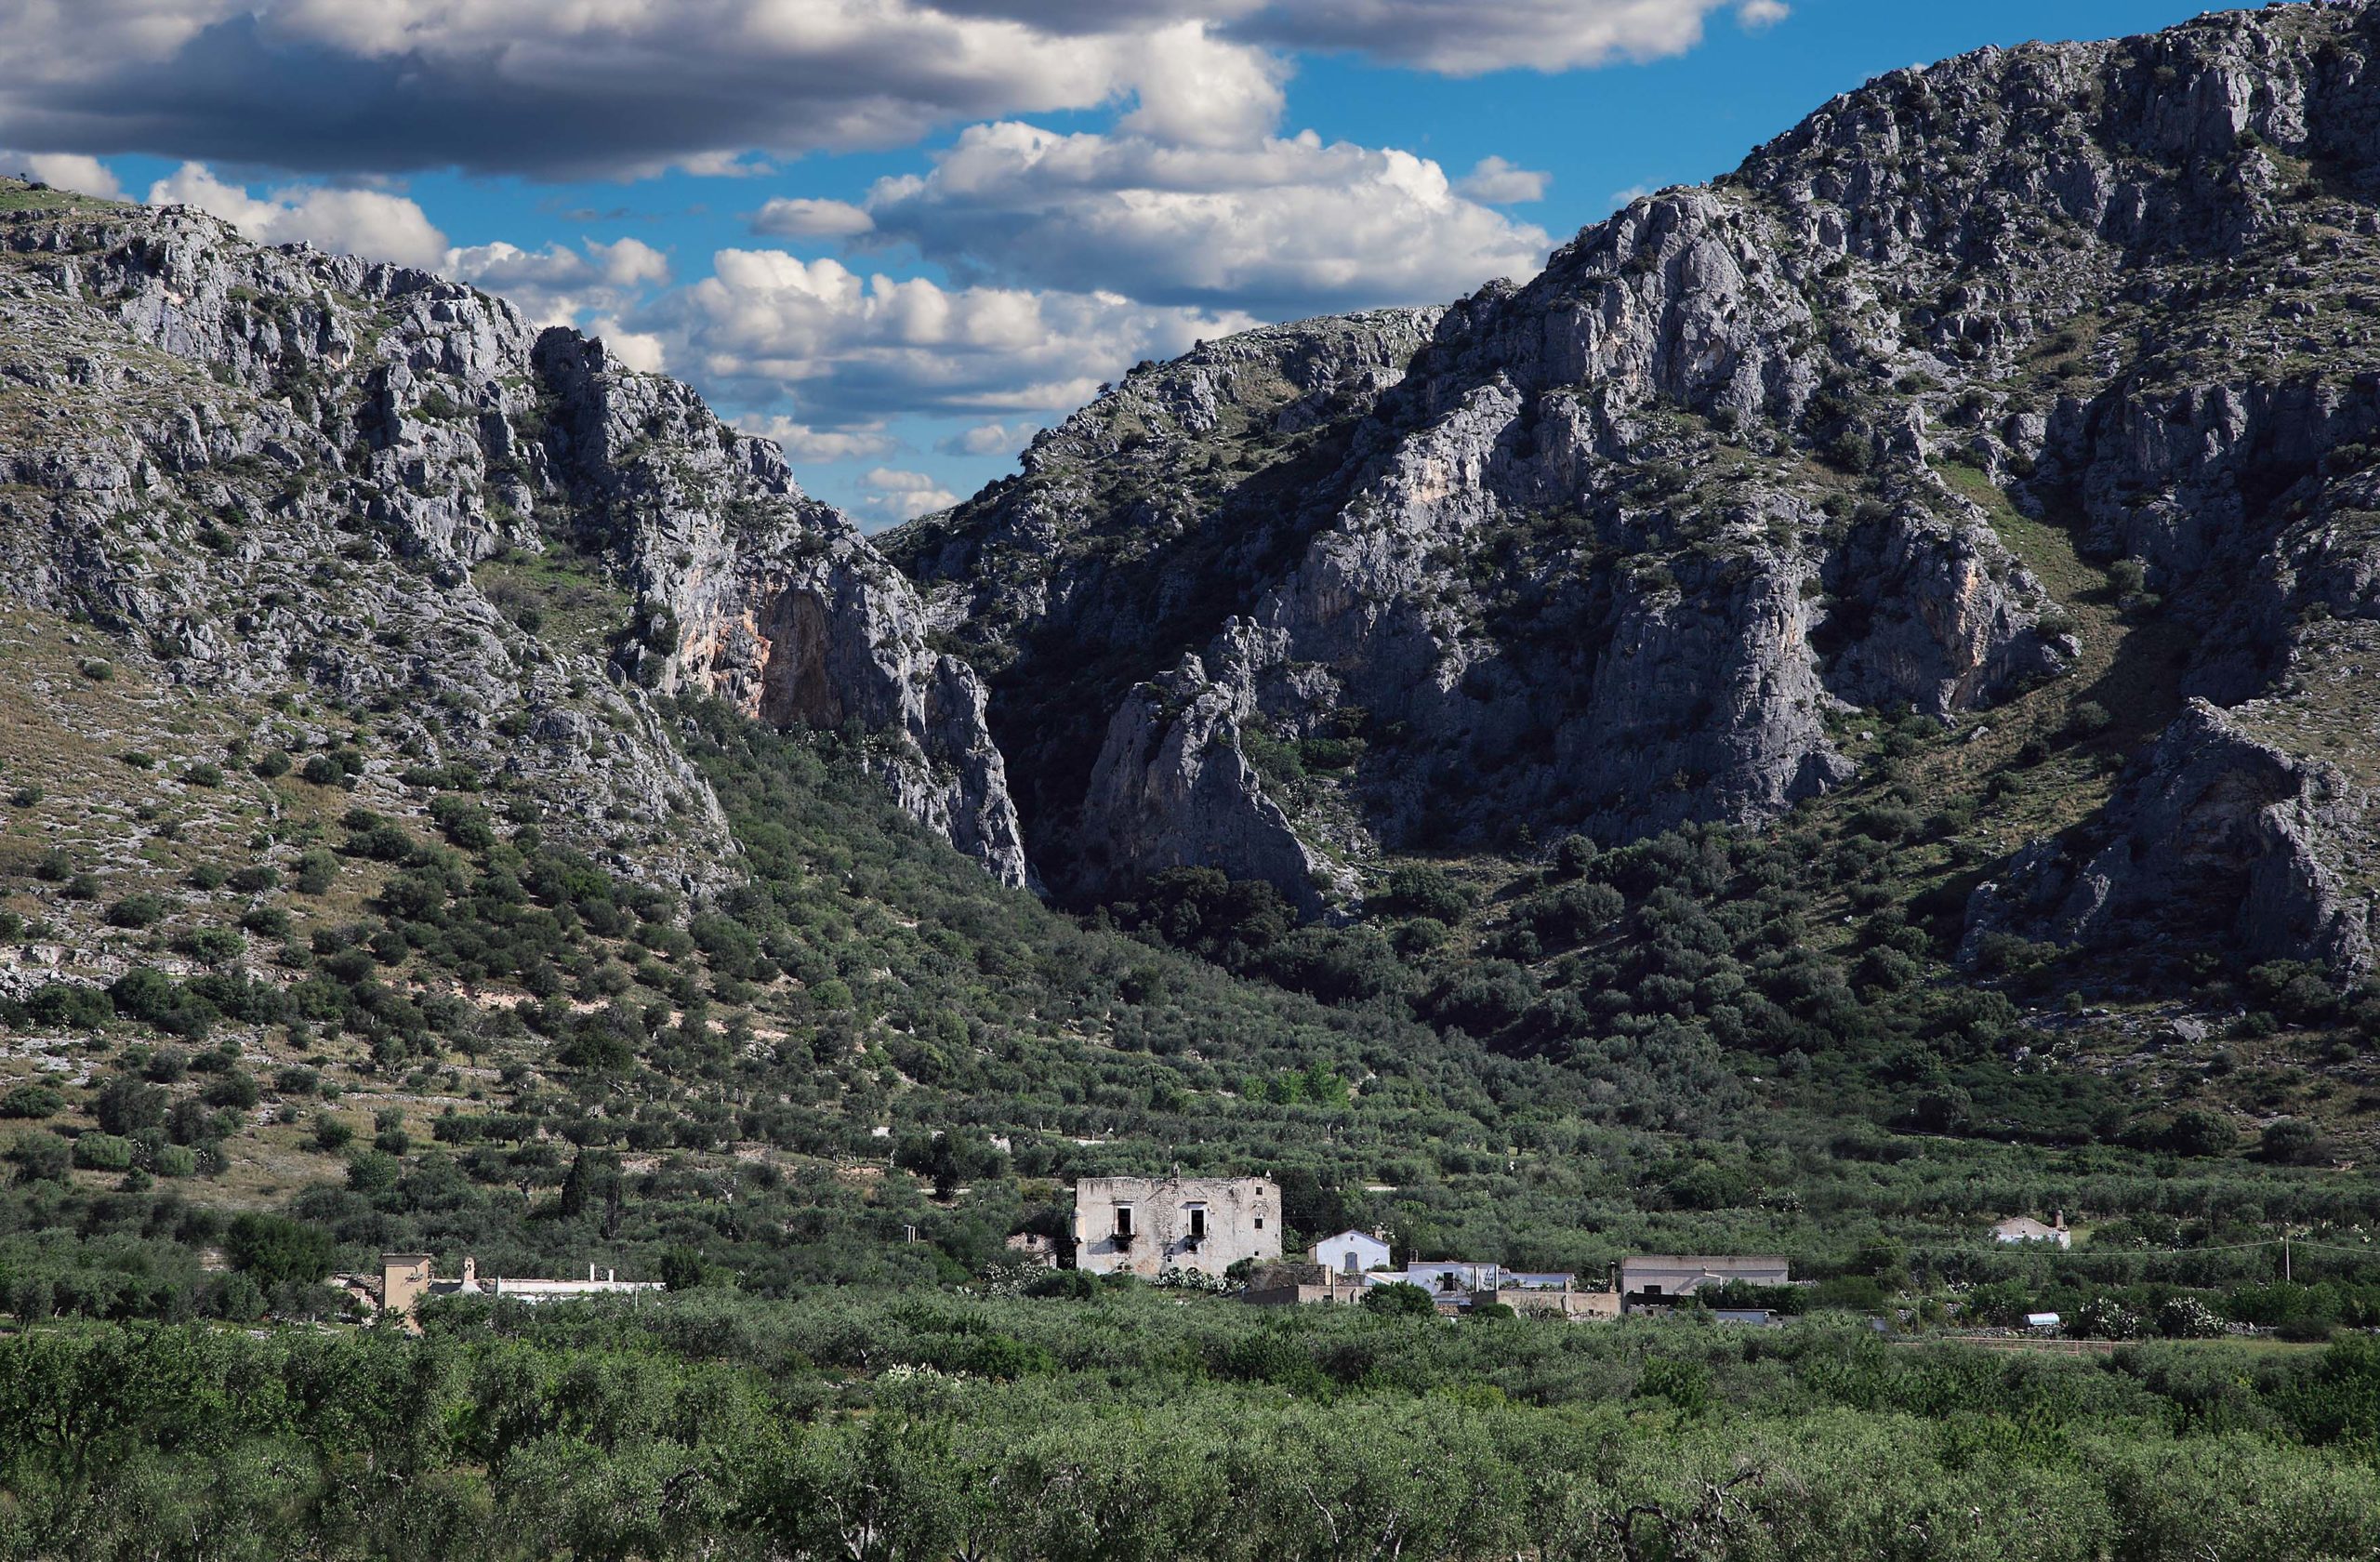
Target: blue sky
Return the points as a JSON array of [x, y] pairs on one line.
[[1048, 188]]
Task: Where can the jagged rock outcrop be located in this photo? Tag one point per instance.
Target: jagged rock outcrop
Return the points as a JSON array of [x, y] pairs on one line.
[[750, 590], [2226, 830], [273, 470], [1173, 788], [1612, 549]]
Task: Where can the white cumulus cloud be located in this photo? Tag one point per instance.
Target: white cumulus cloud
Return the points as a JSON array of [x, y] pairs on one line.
[[1493, 181], [66, 170], [559, 284], [1285, 223], [1193, 89], [1469, 38], [647, 352], [903, 496], [767, 325], [989, 438], [802, 443], [787, 218], [573, 88], [372, 223]]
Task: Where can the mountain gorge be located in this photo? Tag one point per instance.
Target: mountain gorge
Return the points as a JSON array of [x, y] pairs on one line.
[[1833, 726], [1626, 547], [1839, 708]]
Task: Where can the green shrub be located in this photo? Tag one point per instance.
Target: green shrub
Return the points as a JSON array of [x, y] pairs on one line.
[[2088, 719], [104, 1152], [317, 869], [136, 911], [41, 1157], [213, 945], [278, 1251], [2295, 1142], [1399, 1299], [1423, 891], [2104, 1318], [374, 1171], [32, 1101], [70, 1006], [2187, 1317], [234, 1088], [464, 823], [123, 1106], [2196, 1131]]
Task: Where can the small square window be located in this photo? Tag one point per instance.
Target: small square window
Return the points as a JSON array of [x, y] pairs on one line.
[[1260, 1222]]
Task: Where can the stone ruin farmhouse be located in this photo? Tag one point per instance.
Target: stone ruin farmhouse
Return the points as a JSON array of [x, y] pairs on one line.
[[1150, 1226]]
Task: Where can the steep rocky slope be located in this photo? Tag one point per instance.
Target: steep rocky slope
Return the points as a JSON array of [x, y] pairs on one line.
[[298, 497], [1625, 547]]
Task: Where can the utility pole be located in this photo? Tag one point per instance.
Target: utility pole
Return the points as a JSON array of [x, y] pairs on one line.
[[2286, 1276]]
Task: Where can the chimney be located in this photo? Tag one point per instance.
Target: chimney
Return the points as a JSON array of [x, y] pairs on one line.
[[590, 1274], [2061, 1220], [611, 1276]]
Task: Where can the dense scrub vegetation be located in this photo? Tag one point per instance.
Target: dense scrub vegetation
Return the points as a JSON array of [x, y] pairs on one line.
[[861, 1425], [445, 1034]]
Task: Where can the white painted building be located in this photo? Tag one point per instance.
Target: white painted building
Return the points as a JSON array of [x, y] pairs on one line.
[[1453, 1277], [2024, 1228], [1351, 1253], [407, 1280], [1659, 1276]]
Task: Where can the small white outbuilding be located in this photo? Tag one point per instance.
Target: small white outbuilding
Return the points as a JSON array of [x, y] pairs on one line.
[[1351, 1253], [2025, 1229]]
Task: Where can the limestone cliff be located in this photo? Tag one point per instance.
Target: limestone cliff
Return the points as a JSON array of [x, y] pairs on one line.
[[1616, 549], [283, 473]]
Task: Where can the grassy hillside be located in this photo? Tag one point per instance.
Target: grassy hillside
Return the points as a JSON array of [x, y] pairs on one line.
[[397, 1016]]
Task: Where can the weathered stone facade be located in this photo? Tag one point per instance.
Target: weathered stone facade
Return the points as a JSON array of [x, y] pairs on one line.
[[1147, 1226]]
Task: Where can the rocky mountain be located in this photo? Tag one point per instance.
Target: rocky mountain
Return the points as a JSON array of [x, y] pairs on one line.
[[299, 499], [2051, 365], [1839, 711]]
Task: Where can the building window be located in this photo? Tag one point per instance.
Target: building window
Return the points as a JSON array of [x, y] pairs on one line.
[[1352, 1261], [1260, 1222], [1197, 1222], [1124, 1222]]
